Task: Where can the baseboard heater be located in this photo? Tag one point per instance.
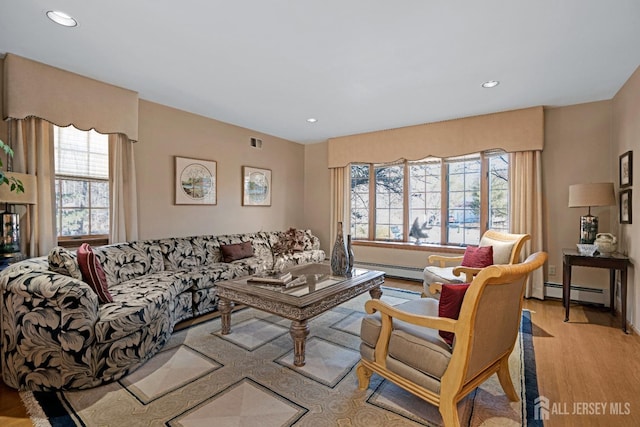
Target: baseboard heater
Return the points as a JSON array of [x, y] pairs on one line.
[[394, 271], [579, 293]]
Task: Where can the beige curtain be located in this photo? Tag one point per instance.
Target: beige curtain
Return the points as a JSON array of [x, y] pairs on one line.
[[32, 141], [339, 203], [526, 209], [123, 215]]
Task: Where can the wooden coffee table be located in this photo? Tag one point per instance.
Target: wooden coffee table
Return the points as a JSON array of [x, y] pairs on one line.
[[321, 292]]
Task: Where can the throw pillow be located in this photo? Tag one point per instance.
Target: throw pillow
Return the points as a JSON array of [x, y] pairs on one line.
[[236, 251], [451, 299], [478, 256], [64, 262], [93, 274]]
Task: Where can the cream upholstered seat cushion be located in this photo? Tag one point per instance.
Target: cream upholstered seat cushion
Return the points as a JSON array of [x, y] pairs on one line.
[[501, 250], [434, 274], [414, 351]]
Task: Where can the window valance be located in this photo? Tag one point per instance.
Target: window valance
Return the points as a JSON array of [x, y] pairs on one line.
[[511, 131], [63, 98]]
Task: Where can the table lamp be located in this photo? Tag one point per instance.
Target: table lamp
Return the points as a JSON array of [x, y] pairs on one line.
[[10, 226], [586, 196]]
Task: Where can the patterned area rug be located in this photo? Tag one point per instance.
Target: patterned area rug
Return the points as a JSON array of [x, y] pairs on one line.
[[247, 378]]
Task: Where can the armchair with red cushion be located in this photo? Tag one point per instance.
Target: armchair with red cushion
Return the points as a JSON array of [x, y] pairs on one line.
[[495, 247]]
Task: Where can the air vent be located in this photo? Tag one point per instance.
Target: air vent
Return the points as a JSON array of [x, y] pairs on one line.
[[255, 142]]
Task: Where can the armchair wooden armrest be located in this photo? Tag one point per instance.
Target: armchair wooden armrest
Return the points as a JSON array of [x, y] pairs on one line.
[[435, 288], [387, 312], [444, 260], [469, 273]]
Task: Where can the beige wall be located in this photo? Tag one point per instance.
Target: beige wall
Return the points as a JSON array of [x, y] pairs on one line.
[[317, 192], [577, 150], [166, 132], [626, 137]]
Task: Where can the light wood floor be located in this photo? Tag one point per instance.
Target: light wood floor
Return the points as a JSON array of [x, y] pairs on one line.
[[581, 365]]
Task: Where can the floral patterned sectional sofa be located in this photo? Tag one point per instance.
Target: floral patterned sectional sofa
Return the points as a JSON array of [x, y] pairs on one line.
[[56, 335]]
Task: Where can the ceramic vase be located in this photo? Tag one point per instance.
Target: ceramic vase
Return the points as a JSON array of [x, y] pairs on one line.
[[350, 257], [339, 256]]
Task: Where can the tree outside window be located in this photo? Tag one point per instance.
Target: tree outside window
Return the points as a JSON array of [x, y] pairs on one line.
[[82, 182]]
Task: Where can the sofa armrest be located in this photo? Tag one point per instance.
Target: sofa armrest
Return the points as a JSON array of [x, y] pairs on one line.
[[48, 328]]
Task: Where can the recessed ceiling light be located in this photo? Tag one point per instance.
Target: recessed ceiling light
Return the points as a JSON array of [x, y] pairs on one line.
[[62, 18], [490, 83], [312, 120]]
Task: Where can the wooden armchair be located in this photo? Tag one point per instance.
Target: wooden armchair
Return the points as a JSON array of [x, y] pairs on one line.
[[506, 250], [402, 343]]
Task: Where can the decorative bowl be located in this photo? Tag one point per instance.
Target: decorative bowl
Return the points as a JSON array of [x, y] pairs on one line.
[[586, 249]]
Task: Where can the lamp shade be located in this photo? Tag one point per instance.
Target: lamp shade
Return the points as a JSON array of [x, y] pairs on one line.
[[592, 194], [30, 195]]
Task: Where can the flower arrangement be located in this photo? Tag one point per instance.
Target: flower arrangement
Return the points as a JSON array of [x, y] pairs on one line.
[[291, 241]]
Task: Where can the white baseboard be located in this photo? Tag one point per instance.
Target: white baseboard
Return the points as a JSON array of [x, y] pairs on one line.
[[409, 273], [579, 293]]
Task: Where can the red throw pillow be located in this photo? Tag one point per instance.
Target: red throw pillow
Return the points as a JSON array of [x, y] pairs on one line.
[[478, 256], [450, 302], [93, 274], [236, 251]]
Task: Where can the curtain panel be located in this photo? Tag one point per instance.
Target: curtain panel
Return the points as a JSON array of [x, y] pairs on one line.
[[32, 141], [526, 210], [123, 215], [339, 202], [64, 98]]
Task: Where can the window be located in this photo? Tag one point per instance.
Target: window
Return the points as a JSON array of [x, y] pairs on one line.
[[442, 202], [360, 201], [389, 181], [82, 183]]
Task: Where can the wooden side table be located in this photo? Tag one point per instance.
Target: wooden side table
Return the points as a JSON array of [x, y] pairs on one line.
[[611, 262]]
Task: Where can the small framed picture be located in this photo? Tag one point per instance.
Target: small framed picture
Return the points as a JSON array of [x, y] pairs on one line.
[[626, 169], [256, 186], [625, 207], [195, 182]]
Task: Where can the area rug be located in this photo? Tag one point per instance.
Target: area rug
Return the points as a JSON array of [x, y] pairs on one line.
[[247, 378]]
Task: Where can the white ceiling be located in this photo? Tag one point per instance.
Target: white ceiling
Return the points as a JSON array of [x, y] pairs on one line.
[[355, 65]]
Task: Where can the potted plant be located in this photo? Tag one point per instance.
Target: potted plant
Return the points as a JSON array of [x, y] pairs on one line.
[[14, 183], [10, 234]]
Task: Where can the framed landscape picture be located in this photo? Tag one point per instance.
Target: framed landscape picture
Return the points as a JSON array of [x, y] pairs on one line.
[[195, 181], [626, 169], [625, 207], [256, 186]]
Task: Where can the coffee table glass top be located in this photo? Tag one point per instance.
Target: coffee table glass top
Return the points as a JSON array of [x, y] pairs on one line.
[[306, 279]]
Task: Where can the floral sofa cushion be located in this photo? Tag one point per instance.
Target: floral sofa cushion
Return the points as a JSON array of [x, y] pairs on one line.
[[178, 253], [126, 261], [64, 262], [205, 248], [138, 303]]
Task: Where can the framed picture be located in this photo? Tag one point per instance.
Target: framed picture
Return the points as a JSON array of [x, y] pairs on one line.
[[625, 207], [196, 182], [626, 169], [256, 186]]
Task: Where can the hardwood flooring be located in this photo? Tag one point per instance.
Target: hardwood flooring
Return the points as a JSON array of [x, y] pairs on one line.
[[587, 368]]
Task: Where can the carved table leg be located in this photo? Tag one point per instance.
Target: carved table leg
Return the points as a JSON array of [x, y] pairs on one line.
[[376, 292], [225, 306], [299, 331]]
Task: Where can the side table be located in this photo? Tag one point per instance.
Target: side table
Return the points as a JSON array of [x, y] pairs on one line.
[[612, 262]]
